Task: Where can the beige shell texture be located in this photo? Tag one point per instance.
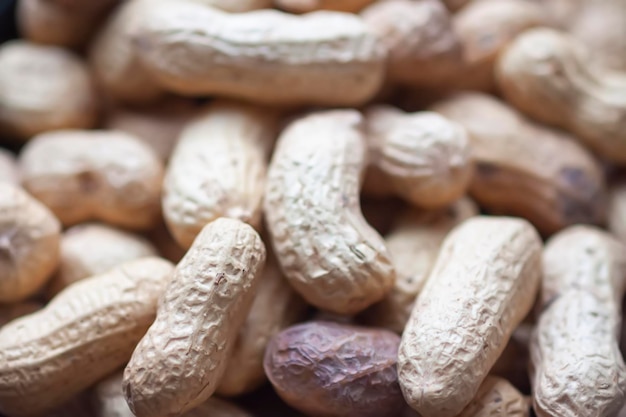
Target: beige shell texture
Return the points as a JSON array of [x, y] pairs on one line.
[[94, 175], [85, 333], [483, 284], [525, 169], [91, 249], [327, 251], [266, 56], [43, 88], [547, 75], [9, 171], [307, 6], [496, 397], [29, 244], [180, 361], [218, 169]]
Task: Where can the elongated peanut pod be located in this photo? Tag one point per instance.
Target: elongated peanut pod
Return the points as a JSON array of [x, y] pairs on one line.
[[9, 171], [218, 169], [482, 286], [577, 368], [496, 397], [29, 244], [265, 56], [424, 157], [180, 361], [327, 251], [85, 333]]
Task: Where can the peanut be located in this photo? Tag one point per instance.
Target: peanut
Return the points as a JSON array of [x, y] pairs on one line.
[[496, 397], [577, 368], [29, 244], [92, 249], [480, 289], [86, 332], [181, 359], [334, 370], [527, 170], [327, 251], [10, 312], [424, 157], [8, 168], [306, 6], [546, 75], [94, 175], [218, 169], [43, 88], [324, 58]]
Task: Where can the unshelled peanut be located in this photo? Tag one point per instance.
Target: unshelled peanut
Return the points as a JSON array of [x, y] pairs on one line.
[[496, 397]]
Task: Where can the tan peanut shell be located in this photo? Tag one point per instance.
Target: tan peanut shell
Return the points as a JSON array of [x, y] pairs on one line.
[[414, 244], [276, 306], [94, 175], [218, 169], [109, 401], [82, 335], [43, 88], [9, 171], [114, 60], [92, 249], [326, 249], [525, 169], [547, 75], [423, 156], [483, 284], [181, 359], [616, 221], [29, 244], [266, 56], [307, 6], [496, 397], [10, 312], [577, 368]]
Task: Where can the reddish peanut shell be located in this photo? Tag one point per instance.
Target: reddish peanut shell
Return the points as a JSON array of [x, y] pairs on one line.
[[496, 397], [82, 335], [483, 284], [307, 6], [334, 370], [29, 244], [94, 175], [327, 251], [43, 88], [179, 362], [9, 171], [218, 169]]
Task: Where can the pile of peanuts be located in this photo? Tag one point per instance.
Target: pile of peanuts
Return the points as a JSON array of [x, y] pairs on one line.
[[347, 208]]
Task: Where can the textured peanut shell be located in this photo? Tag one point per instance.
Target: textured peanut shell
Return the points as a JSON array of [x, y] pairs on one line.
[[577, 368], [94, 175], [114, 60], [109, 401], [266, 56], [496, 397], [8, 168], [85, 333], [414, 245], [92, 249], [218, 169], [276, 306], [307, 6], [423, 156], [327, 369], [10, 312], [43, 88], [547, 75], [483, 284], [525, 169], [29, 244], [181, 359], [326, 249], [616, 221]]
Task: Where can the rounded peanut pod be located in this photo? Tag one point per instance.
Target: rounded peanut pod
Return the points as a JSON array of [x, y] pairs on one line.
[[85, 333], [29, 244], [94, 175], [527, 170], [326, 249], [481, 287], [577, 368], [496, 397], [266, 56], [10, 312], [9, 171], [335, 370], [91, 249], [181, 359], [423, 156], [218, 169], [307, 6], [43, 88], [548, 76]]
